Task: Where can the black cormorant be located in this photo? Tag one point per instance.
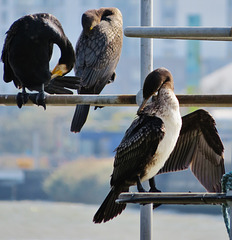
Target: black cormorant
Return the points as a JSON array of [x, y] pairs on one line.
[[27, 51], [97, 54], [151, 138]]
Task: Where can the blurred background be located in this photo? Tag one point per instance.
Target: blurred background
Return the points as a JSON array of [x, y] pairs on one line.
[[40, 159]]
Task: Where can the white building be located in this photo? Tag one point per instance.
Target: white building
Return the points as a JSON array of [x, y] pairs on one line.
[[169, 53]]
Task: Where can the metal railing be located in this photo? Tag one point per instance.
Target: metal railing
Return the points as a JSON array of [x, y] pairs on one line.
[[175, 198], [122, 100], [184, 33]]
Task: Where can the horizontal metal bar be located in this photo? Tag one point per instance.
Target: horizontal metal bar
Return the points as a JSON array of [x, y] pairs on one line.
[[205, 100], [174, 198], [122, 100], [185, 33], [72, 100]]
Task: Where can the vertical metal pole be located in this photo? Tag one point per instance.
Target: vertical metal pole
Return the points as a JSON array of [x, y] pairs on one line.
[[146, 222], [146, 43], [146, 218], [146, 50]]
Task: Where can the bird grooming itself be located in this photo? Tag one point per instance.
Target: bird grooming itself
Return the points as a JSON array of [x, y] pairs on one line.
[[156, 143], [97, 54], [147, 143], [27, 51]]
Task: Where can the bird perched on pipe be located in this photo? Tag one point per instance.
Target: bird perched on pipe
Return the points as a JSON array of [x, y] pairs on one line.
[[158, 141], [97, 54], [26, 54]]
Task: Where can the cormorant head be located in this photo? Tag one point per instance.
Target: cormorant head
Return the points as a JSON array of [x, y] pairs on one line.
[[161, 77], [89, 20], [93, 17], [66, 60]]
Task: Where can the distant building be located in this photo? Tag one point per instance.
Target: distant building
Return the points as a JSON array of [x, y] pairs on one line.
[[218, 82], [172, 54]]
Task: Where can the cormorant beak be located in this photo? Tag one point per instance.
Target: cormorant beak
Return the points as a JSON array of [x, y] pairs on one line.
[[143, 104], [59, 70]]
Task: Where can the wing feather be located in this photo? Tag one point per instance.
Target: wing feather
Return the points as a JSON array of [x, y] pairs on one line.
[[199, 146], [136, 148], [98, 55]]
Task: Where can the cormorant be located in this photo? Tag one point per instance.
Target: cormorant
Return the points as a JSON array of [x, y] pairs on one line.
[[97, 54], [27, 51], [146, 147]]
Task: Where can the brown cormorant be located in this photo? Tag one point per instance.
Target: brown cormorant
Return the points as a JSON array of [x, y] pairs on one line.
[[27, 51], [97, 54], [151, 138]]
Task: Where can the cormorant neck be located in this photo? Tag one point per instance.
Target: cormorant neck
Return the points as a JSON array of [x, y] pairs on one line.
[[67, 54]]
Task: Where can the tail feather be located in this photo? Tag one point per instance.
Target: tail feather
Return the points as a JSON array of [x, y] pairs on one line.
[[79, 118], [109, 208]]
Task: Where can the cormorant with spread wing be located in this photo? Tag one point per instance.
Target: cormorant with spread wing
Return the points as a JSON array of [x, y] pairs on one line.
[[26, 54], [97, 54], [147, 147]]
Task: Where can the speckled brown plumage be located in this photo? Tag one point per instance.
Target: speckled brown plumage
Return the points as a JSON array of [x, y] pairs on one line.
[[97, 54]]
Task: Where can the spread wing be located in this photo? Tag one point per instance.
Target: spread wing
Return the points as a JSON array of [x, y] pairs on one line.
[[97, 56], [136, 148], [199, 146]]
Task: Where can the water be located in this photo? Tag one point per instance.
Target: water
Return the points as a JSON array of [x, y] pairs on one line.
[[27, 220]]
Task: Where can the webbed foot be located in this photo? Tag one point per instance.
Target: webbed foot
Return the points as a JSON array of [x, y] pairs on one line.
[[39, 99], [96, 107], [112, 78], [22, 98]]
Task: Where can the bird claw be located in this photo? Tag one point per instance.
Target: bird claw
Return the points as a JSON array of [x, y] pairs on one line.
[[112, 78], [22, 99], [38, 99], [141, 189], [154, 189], [96, 107]]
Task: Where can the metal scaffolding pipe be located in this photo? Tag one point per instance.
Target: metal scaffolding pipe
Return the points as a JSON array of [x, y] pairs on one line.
[[174, 198], [122, 100], [185, 33], [72, 100], [146, 66], [146, 50], [146, 46]]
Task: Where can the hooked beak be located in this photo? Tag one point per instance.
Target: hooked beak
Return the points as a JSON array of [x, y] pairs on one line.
[[59, 70]]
